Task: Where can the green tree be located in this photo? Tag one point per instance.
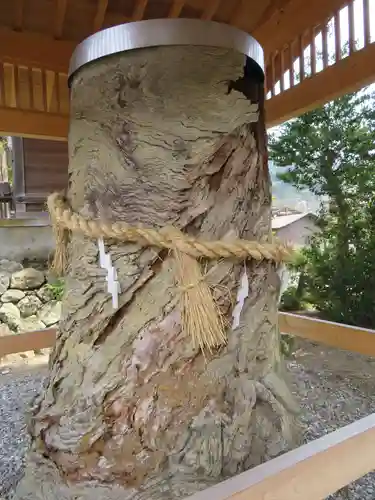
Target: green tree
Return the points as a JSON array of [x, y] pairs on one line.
[[331, 152]]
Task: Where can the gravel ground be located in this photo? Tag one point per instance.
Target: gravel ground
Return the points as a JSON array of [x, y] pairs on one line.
[[17, 390], [334, 388]]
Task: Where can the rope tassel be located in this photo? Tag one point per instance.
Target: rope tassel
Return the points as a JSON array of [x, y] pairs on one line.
[[201, 317]]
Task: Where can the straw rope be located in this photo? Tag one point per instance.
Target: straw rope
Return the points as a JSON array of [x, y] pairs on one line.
[[199, 309]]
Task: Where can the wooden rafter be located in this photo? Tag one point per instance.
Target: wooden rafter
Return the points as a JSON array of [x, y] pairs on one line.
[[139, 10], [210, 10], [18, 14], [236, 11], [101, 10], [60, 17], [272, 8], [176, 8]]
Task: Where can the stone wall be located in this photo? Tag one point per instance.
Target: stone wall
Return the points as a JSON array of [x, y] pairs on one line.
[[27, 301], [26, 238]]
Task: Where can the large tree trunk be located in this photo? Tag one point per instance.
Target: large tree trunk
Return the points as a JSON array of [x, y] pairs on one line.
[[170, 135]]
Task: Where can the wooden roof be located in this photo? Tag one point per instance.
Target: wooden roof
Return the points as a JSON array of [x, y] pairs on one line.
[[272, 22], [37, 39], [76, 19]]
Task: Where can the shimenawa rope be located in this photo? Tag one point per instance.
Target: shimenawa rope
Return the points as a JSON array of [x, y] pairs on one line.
[[201, 318]]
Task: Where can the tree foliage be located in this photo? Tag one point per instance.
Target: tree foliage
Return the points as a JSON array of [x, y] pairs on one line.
[[331, 151]]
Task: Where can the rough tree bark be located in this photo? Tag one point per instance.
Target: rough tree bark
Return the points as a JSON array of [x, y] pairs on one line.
[[171, 135]]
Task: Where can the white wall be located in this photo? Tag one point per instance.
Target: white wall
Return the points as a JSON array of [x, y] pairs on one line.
[[297, 233], [25, 239]]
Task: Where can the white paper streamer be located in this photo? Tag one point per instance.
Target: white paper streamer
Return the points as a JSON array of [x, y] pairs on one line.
[[113, 286], [242, 294], [284, 275]]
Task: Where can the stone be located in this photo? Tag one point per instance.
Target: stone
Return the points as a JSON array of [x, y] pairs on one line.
[[30, 324], [10, 315], [12, 295], [45, 293], [9, 266], [27, 279], [50, 313], [29, 305], [4, 282]]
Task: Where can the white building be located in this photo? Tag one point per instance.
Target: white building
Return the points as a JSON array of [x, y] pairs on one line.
[[295, 229]]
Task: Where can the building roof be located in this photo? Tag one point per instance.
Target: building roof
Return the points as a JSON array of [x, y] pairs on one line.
[[285, 220]]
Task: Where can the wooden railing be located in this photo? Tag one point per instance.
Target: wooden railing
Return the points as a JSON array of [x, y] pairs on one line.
[[300, 58], [301, 76], [310, 472], [350, 338]]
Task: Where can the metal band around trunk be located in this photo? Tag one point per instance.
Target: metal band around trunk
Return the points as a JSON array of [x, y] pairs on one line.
[[163, 32]]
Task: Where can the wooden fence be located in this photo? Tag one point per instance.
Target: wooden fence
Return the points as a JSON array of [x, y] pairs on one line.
[[350, 338], [310, 472]]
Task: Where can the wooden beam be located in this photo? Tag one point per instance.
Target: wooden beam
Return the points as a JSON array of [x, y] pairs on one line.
[[101, 9], [60, 18], [348, 75], [311, 472], [346, 337], [18, 14], [236, 16], [272, 8], [34, 124], [176, 8], [29, 341], [33, 50], [210, 10], [139, 10]]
